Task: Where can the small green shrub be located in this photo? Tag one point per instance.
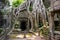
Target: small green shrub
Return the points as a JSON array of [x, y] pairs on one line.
[[40, 25], [44, 31], [0, 30], [30, 8], [16, 26], [16, 3], [0, 26]]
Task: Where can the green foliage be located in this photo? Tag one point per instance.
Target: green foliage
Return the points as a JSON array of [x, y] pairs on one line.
[[46, 3], [16, 25], [44, 31], [40, 25], [17, 3], [0, 30], [30, 8], [2, 12], [0, 26]]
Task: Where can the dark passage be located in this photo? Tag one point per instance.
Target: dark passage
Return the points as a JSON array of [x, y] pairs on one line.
[[23, 25], [29, 24]]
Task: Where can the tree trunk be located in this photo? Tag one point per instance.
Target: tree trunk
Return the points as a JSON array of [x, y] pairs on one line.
[[51, 28]]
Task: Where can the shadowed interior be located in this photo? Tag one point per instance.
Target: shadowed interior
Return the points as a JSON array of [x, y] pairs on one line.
[[23, 25]]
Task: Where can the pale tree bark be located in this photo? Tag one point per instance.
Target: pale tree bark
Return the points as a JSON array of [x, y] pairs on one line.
[[30, 13], [38, 7], [51, 26]]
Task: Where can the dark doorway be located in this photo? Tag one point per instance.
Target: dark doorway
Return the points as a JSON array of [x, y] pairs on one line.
[[29, 24], [23, 25]]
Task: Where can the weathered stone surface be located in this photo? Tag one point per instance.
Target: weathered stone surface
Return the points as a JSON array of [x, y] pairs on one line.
[[57, 37], [55, 5]]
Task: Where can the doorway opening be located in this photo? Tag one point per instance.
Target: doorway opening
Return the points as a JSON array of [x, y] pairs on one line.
[[23, 25], [29, 24]]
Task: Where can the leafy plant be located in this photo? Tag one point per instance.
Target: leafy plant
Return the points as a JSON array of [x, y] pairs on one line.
[[17, 3], [16, 25], [44, 31], [30, 8], [46, 3], [0, 30], [40, 25]]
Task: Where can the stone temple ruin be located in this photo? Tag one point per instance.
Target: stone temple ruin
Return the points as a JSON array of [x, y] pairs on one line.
[[54, 19], [28, 20]]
